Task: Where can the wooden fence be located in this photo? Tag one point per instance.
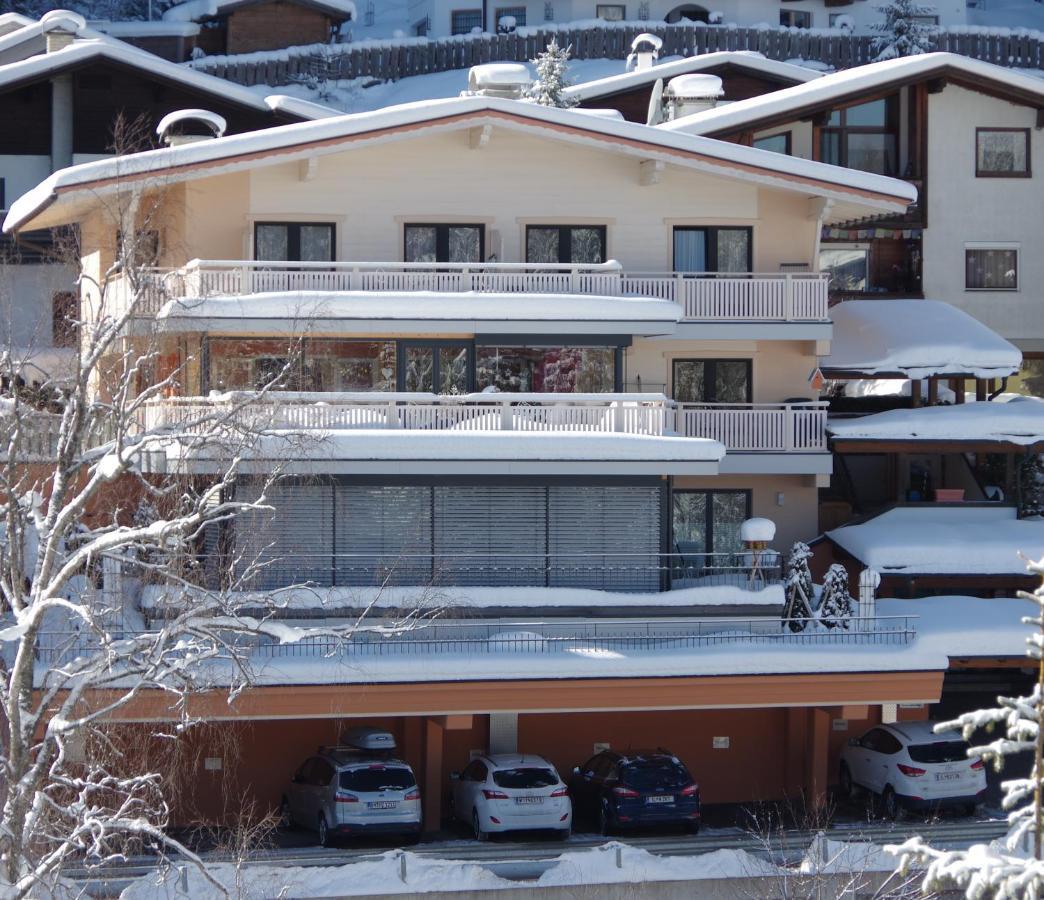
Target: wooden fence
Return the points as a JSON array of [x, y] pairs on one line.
[[393, 59]]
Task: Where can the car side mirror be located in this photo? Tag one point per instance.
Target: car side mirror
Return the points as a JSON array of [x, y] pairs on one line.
[[454, 776], [853, 742]]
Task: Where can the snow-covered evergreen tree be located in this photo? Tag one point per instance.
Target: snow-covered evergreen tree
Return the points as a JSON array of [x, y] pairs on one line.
[[1012, 867], [901, 34], [1031, 485], [551, 68], [797, 610], [835, 610]]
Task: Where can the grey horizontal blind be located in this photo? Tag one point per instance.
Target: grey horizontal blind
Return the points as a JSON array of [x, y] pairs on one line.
[[490, 534], [382, 534], [605, 537], [290, 544]]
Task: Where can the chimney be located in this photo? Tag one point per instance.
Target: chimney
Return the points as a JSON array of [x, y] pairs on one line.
[[645, 50], [188, 126], [60, 28], [690, 94]]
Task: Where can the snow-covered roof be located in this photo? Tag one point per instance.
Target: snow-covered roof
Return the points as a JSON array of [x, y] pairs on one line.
[[155, 28], [915, 339], [121, 53], [296, 106], [944, 540], [489, 74], [855, 193], [194, 10], [1017, 421], [746, 59], [837, 86], [966, 626]]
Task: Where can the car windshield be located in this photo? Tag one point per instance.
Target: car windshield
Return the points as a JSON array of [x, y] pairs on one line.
[[378, 778], [522, 778], [654, 772], [939, 752]]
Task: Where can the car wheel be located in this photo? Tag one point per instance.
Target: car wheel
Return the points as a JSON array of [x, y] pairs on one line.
[[324, 832], [563, 834], [286, 821], [848, 786], [480, 835], [692, 828], [893, 809], [605, 819], [970, 809]]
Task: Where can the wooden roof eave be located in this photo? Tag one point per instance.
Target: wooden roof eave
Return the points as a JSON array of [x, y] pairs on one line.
[[926, 445]]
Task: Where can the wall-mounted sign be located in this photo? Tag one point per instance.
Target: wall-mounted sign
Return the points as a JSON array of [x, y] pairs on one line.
[[721, 743]]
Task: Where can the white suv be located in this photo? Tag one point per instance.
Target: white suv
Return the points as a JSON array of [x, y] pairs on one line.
[[511, 792], [910, 766]]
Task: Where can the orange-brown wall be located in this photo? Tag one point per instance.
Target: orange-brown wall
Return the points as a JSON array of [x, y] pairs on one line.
[[271, 26]]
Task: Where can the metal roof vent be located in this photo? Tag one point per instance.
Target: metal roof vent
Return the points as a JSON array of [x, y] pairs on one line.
[[689, 94], [645, 50], [501, 79], [187, 126]]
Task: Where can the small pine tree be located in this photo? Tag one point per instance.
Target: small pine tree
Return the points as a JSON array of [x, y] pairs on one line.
[[901, 34], [797, 609], [1031, 486], [836, 608], [551, 68]]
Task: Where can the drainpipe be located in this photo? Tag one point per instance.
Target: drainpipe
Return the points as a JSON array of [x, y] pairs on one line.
[[1003, 387], [61, 122]]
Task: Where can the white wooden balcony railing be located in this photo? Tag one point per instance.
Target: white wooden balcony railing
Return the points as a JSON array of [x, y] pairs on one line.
[[735, 296], [777, 428]]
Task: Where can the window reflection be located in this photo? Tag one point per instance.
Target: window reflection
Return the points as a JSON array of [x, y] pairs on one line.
[[552, 370]]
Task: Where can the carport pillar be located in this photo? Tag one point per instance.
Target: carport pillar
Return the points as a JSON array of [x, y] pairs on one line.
[[433, 735], [796, 750], [818, 773]]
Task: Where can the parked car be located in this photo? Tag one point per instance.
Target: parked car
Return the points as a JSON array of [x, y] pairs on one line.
[[357, 787], [511, 792], [634, 789], [911, 767]]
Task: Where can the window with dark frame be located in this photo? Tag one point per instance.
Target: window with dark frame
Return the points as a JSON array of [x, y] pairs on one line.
[[864, 137], [294, 241], [707, 521], [777, 143], [580, 244], [991, 269], [712, 380], [795, 18], [611, 12], [464, 21], [708, 249], [1002, 153], [445, 243]]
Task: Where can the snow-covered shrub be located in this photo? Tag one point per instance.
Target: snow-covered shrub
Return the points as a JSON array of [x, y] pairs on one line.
[[1031, 486], [844, 23], [551, 68], [506, 24], [901, 34], [797, 609], [835, 609], [1006, 867], [715, 17]]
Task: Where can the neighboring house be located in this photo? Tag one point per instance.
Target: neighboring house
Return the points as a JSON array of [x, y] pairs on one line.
[[247, 26], [966, 134], [66, 85], [441, 17], [542, 363], [742, 74]]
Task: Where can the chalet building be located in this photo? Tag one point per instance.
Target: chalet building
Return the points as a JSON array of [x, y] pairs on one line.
[[66, 86], [965, 134], [552, 403], [247, 26], [442, 17]]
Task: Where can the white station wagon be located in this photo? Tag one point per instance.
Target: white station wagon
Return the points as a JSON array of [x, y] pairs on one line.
[[910, 766]]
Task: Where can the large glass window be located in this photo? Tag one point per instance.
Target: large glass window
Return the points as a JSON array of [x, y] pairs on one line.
[[708, 249], [863, 137], [238, 364], [565, 244], [444, 243], [553, 370], [777, 143], [708, 521], [848, 266], [434, 367], [1002, 152], [712, 380], [294, 241], [464, 21], [991, 269], [349, 365]]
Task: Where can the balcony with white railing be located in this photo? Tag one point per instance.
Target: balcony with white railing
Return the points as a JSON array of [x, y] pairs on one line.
[[703, 297], [756, 427]]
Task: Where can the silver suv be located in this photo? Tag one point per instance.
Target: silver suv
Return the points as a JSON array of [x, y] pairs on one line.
[[348, 790]]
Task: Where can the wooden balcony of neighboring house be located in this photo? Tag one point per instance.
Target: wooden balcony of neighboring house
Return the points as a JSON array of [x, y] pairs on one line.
[[740, 428], [703, 297]]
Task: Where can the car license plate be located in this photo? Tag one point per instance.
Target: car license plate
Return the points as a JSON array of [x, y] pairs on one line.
[[660, 798], [947, 776], [529, 799], [382, 804]]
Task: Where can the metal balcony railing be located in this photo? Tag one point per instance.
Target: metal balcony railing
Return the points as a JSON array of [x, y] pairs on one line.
[[703, 296]]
